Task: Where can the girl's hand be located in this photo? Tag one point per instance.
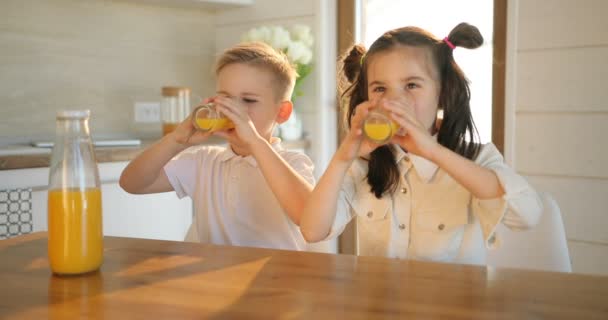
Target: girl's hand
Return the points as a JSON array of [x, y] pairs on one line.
[[244, 132], [355, 144], [417, 138], [187, 135]]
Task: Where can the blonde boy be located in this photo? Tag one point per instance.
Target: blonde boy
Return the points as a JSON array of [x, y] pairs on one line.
[[251, 192]]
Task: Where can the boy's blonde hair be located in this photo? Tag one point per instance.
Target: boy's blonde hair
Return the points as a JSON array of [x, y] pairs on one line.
[[259, 54]]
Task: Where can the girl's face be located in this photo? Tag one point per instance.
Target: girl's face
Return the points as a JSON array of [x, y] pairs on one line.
[[406, 74]]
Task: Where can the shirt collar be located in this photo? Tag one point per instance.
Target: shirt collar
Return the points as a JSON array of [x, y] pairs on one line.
[[229, 154], [426, 169]]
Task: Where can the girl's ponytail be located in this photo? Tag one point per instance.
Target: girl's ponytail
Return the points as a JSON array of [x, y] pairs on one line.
[[465, 35], [350, 84], [351, 63]]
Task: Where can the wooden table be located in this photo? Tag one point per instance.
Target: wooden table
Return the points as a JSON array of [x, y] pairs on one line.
[[149, 279]]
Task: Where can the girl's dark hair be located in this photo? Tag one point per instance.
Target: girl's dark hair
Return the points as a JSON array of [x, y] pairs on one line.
[[454, 96]]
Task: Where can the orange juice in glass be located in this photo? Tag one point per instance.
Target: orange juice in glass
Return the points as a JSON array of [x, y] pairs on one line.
[[75, 233], [379, 127], [207, 118]]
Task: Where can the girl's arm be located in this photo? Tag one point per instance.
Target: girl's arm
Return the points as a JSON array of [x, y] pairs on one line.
[[481, 182], [320, 210], [289, 187], [521, 210]]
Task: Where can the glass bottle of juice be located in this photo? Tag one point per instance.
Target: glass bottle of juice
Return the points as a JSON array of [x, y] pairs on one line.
[[75, 243], [207, 118]]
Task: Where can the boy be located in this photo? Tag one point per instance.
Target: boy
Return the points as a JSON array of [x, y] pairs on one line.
[[242, 192]]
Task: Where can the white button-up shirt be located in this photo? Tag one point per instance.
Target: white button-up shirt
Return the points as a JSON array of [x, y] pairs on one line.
[[431, 216], [233, 204]]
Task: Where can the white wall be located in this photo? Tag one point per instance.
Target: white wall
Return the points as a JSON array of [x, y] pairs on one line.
[[100, 55], [318, 104], [557, 115]]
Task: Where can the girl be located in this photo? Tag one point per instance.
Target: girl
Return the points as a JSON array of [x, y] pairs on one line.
[[433, 192]]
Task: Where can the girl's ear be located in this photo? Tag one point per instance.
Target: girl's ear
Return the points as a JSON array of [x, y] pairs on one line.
[[284, 111]]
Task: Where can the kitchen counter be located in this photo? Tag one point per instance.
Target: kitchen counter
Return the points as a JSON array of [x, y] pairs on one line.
[[25, 157]]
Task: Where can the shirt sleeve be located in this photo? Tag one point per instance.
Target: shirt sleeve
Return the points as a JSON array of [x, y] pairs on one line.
[[344, 211], [519, 208], [302, 164], [182, 172]]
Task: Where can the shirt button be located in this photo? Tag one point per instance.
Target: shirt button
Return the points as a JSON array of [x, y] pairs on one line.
[[441, 226], [402, 226], [370, 214], [492, 239], [404, 190]]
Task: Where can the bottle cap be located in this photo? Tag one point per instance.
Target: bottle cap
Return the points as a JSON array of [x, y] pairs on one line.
[[73, 114]]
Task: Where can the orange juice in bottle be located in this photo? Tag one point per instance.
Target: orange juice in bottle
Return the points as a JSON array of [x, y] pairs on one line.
[[75, 243], [75, 230], [207, 118]]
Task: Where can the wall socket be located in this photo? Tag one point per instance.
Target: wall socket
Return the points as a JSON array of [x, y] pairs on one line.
[[147, 112]]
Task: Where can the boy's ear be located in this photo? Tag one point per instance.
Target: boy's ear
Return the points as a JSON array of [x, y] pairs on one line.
[[284, 111]]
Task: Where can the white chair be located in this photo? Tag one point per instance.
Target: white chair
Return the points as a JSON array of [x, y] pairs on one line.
[[192, 234], [543, 247]]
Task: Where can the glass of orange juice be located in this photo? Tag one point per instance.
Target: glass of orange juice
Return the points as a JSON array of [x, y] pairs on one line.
[[379, 127], [207, 118], [75, 235]]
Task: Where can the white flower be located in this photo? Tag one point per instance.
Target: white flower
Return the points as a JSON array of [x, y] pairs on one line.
[[261, 34], [279, 38], [302, 33], [306, 57], [296, 42], [297, 52]]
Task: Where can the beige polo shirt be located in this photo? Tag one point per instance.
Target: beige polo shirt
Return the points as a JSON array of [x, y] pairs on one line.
[[233, 204], [431, 216]]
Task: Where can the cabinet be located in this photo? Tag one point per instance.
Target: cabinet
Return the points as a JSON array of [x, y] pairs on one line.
[[156, 216]]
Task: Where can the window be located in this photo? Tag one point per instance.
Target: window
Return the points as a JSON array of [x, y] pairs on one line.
[[439, 17]]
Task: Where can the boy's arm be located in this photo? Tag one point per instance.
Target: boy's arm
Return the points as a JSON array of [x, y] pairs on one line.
[[145, 173], [289, 187]]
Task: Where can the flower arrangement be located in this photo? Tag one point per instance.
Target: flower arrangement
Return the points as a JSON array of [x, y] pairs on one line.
[[296, 43]]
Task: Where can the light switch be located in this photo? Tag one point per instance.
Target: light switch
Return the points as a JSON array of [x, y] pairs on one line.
[[147, 112]]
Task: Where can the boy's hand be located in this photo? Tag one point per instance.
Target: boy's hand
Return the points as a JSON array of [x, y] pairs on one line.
[[417, 138], [355, 144], [187, 135], [244, 131]]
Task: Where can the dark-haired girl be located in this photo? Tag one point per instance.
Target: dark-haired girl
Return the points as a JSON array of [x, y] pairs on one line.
[[433, 192]]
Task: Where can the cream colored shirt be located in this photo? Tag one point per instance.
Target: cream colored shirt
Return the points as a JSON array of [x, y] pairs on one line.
[[233, 204], [431, 216]]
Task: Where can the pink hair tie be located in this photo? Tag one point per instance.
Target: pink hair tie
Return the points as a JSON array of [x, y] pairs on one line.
[[449, 43]]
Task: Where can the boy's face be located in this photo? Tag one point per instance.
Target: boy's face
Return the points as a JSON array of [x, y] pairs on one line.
[[253, 88]]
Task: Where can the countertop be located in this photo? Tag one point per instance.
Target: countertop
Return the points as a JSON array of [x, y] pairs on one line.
[[26, 157]]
